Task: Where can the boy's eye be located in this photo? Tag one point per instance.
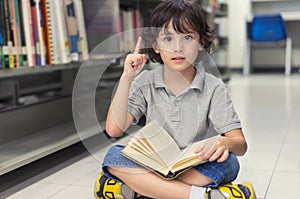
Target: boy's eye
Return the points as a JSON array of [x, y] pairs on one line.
[[168, 39], [188, 37]]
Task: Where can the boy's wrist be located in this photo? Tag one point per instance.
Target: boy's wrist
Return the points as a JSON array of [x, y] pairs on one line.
[[126, 78]]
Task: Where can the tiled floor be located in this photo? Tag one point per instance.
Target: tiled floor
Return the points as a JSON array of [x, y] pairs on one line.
[[269, 107]]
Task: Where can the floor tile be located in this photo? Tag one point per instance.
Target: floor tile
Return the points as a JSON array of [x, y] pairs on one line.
[[284, 185], [74, 192], [37, 191], [259, 179], [71, 174]]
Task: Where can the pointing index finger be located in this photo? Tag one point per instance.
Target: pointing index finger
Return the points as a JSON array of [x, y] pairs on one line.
[[138, 46]]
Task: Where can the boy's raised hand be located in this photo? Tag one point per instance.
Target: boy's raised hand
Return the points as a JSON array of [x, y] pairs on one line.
[[135, 62]]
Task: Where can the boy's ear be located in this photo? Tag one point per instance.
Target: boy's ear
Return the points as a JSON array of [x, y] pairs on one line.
[[201, 44], [155, 48], [200, 47]]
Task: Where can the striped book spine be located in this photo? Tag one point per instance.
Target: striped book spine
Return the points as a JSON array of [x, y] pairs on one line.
[[28, 32], [82, 40]]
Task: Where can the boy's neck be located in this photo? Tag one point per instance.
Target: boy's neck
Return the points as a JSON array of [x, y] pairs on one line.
[[178, 81]]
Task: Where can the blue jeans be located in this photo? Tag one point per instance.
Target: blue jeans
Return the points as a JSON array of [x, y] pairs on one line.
[[219, 173]]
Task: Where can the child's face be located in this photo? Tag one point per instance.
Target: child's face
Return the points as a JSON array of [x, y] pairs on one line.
[[177, 50]]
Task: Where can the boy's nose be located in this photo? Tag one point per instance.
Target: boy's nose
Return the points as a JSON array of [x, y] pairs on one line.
[[178, 46]]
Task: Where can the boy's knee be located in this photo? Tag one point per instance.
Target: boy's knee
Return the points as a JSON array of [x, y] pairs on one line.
[[112, 170]]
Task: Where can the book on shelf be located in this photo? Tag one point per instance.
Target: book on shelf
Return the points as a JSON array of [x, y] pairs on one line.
[[24, 54], [128, 28], [36, 32], [2, 64], [7, 48], [72, 28], [40, 31], [15, 28], [61, 36], [28, 33], [129, 24], [47, 19], [82, 38], [154, 148]]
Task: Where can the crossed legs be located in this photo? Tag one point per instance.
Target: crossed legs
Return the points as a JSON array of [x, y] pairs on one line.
[[149, 184]]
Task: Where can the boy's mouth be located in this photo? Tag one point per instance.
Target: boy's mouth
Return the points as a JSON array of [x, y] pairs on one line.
[[178, 58]]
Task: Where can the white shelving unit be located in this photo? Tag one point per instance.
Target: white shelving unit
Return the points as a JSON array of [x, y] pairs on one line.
[[36, 103]]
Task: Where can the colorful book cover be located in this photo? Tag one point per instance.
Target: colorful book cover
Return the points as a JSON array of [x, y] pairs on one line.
[[72, 29], [2, 61], [28, 32], [4, 55], [128, 25], [47, 30], [40, 29], [16, 29], [36, 41], [8, 49], [61, 39], [22, 34], [82, 40]]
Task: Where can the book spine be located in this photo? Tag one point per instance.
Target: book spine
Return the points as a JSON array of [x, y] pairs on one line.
[[121, 30], [14, 33], [1, 44], [9, 48], [136, 23], [53, 32], [72, 28], [28, 34], [62, 36], [40, 25], [2, 40], [35, 32], [47, 30], [128, 28], [22, 35], [17, 34], [82, 40]]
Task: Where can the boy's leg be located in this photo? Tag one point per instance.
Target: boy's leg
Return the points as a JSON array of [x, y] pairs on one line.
[[220, 173], [234, 191], [149, 184]]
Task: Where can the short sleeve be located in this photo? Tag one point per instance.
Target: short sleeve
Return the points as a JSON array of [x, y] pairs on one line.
[[222, 113], [136, 101]]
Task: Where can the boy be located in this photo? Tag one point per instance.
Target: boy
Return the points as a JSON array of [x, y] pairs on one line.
[[185, 100]]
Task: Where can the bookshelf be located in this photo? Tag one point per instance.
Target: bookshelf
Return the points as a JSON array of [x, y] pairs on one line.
[[217, 14], [36, 100]]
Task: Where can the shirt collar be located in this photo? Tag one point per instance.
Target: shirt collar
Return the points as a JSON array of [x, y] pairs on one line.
[[197, 83]]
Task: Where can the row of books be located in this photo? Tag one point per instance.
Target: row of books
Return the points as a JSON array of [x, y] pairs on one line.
[[41, 32], [130, 22]]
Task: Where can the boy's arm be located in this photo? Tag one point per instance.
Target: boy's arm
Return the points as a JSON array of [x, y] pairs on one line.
[[232, 141], [118, 119]]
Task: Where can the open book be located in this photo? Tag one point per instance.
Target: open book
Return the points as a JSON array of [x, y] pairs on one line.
[[153, 148]]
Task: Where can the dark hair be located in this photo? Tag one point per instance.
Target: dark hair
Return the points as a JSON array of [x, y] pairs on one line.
[[185, 15]]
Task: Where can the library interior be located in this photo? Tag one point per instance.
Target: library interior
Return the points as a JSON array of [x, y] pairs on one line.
[[60, 64]]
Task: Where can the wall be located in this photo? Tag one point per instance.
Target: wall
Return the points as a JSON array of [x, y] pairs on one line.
[[237, 13]]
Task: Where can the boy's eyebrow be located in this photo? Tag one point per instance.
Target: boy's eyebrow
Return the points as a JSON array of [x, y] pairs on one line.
[[165, 33]]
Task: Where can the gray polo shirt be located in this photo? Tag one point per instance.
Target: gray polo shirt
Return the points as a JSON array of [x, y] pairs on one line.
[[202, 110]]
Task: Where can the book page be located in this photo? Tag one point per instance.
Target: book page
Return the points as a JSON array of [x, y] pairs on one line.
[[144, 147], [188, 155], [145, 159], [161, 142]]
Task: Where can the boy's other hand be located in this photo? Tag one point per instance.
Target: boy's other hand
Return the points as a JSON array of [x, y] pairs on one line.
[[134, 63]]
